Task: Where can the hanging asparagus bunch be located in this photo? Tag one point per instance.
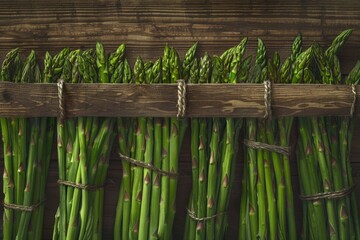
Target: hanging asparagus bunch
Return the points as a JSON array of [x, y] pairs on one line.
[[11, 71], [213, 151], [278, 132], [27, 152], [84, 146], [250, 211], [155, 142], [239, 68], [266, 209], [323, 156]]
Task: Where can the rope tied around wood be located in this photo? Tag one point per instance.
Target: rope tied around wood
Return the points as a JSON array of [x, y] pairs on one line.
[[353, 90], [23, 208], [264, 146], [193, 216], [88, 187], [267, 98], [60, 88], [328, 195], [181, 103], [147, 166]]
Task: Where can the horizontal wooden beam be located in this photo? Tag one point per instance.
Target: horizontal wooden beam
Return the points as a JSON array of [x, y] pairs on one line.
[[160, 100]]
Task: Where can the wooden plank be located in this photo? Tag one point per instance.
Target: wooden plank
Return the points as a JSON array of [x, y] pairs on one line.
[[160, 100], [145, 26]]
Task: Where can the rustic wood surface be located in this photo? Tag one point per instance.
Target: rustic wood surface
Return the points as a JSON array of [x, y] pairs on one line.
[[160, 100], [145, 26]]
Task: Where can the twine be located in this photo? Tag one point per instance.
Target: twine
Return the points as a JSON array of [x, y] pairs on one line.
[[353, 90], [23, 208], [328, 195], [273, 148], [267, 98], [193, 216], [79, 185], [147, 166], [181, 103], [60, 86]]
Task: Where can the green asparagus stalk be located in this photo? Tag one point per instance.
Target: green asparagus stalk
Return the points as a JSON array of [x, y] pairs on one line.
[[194, 126], [148, 158], [155, 188], [174, 148], [229, 150], [165, 137], [121, 73], [204, 77], [136, 198], [214, 156], [252, 154], [9, 178]]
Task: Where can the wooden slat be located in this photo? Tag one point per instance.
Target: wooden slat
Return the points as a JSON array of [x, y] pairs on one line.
[[145, 26], [160, 100]]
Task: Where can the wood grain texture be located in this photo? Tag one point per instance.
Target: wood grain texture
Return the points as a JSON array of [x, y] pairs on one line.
[[145, 26], [160, 100]]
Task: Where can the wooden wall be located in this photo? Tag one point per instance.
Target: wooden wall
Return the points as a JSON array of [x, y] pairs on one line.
[[145, 26]]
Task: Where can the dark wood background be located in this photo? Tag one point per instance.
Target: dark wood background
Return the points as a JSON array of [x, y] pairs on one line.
[[145, 26]]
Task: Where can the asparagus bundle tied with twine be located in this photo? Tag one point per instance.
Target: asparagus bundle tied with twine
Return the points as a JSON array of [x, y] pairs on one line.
[[266, 205], [84, 145], [149, 151], [27, 152], [329, 205], [214, 145]]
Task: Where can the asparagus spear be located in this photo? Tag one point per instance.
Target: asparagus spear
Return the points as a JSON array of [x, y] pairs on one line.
[[214, 157], [204, 77], [136, 198], [8, 175], [122, 74], [194, 78], [164, 197], [148, 158], [229, 150], [175, 74], [155, 190]]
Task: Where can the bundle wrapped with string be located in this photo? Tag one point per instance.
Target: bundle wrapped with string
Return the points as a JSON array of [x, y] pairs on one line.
[[84, 145], [214, 147], [27, 151], [329, 205], [267, 205], [149, 151]]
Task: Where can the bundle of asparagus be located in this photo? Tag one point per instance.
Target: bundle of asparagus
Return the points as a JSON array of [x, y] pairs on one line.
[[214, 145], [27, 152], [84, 146], [149, 149], [267, 206], [330, 209]]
